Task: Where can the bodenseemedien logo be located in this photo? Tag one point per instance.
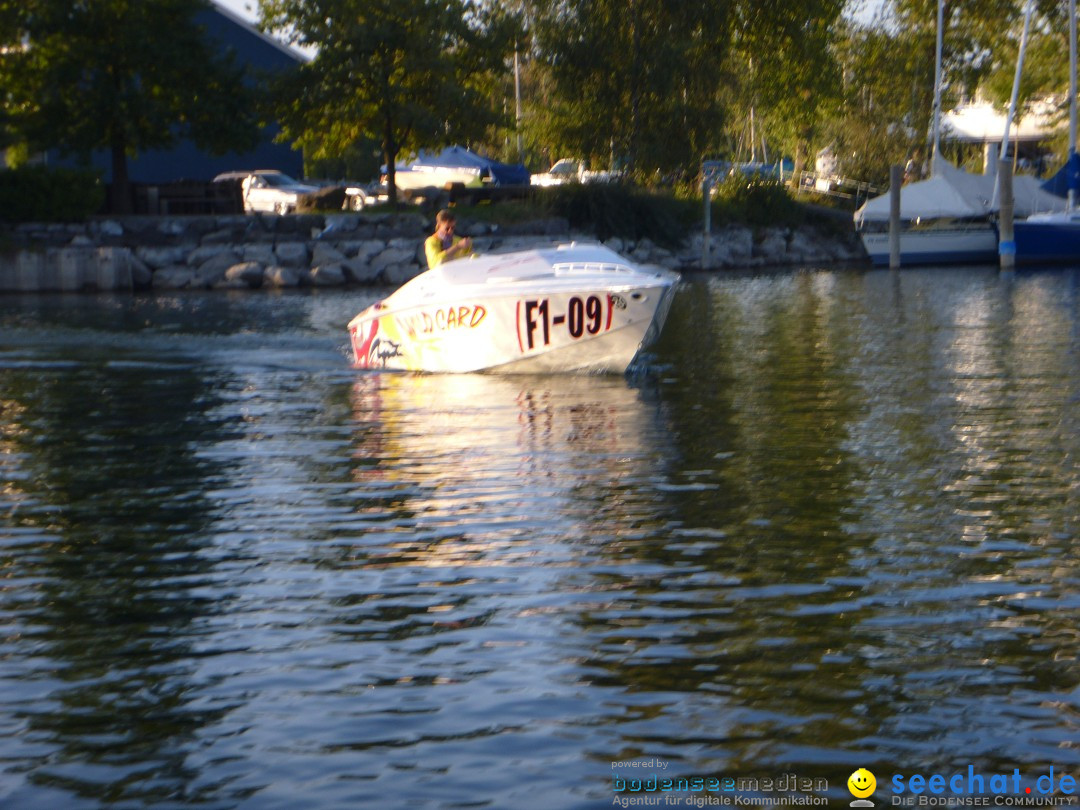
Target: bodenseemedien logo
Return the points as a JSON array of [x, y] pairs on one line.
[[862, 785]]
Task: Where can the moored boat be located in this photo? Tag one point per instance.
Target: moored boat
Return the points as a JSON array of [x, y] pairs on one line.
[[1048, 238], [1055, 237], [567, 308]]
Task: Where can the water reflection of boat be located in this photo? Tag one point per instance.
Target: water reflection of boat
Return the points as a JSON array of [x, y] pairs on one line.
[[489, 470], [568, 308]]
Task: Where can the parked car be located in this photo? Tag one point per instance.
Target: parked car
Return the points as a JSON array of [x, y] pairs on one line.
[[268, 190], [571, 170], [359, 196]]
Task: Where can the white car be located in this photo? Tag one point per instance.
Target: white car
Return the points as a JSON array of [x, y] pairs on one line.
[[360, 196], [268, 190], [568, 170]]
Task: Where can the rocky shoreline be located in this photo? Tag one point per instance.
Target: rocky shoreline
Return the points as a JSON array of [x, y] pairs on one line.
[[263, 251]]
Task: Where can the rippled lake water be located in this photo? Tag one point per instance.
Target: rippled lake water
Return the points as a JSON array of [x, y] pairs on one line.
[[834, 522]]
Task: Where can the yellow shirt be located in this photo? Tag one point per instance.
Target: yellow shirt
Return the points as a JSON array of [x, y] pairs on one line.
[[436, 253]]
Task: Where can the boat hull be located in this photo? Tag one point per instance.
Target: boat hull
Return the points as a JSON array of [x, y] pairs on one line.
[[1047, 241], [413, 178], [584, 331], [970, 245]]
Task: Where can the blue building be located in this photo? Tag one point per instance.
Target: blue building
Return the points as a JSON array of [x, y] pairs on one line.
[[252, 48]]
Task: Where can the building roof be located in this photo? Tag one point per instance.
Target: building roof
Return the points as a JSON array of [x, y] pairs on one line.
[[247, 24]]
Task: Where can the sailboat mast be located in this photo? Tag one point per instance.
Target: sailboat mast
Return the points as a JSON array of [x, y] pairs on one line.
[[1016, 78], [935, 125], [1072, 96]]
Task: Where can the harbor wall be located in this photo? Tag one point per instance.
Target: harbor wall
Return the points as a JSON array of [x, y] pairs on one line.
[[265, 251]]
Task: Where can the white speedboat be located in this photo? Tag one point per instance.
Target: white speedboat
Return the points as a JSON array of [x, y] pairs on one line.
[[567, 308]]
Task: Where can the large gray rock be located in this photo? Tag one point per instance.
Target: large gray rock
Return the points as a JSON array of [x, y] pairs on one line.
[[365, 251], [158, 257], [262, 253], [292, 254], [205, 253], [142, 276], [360, 272], [403, 243], [394, 256], [176, 277], [278, 276], [399, 273], [739, 243], [249, 273], [326, 254], [338, 224], [772, 246], [213, 270], [327, 275]]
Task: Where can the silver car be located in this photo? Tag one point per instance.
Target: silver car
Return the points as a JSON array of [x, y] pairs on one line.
[[268, 190]]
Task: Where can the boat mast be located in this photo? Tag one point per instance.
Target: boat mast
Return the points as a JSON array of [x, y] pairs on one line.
[[1016, 78], [1072, 97], [935, 124]]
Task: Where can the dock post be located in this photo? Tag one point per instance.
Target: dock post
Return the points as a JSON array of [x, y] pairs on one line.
[[896, 180], [706, 193], [1006, 235]]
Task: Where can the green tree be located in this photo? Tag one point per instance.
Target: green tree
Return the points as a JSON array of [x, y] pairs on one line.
[[1046, 70], [882, 112], [794, 78], [637, 78], [978, 36], [119, 75], [888, 71], [410, 73]]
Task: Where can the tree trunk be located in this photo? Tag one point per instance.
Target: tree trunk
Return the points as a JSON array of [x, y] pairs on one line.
[[801, 150], [390, 153]]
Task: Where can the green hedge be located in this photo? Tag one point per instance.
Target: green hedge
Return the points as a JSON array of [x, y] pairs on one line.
[[756, 201], [617, 209], [42, 194], [666, 216]]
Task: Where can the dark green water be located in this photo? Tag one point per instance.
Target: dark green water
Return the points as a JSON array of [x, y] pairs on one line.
[[834, 524]]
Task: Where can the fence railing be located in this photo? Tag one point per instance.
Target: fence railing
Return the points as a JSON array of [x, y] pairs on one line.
[[843, 188]]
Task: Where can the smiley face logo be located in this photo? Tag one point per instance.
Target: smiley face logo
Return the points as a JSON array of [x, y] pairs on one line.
[[861, 783]]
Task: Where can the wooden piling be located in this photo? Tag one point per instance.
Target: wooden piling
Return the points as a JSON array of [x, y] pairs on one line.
[[706, 193], [1006, 239], [896, 180]]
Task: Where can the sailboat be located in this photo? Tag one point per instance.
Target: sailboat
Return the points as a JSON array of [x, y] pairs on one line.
[[1055, 237], [948, 218]]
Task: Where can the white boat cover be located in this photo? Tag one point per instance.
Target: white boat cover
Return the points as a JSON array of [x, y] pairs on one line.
[[953, 193]]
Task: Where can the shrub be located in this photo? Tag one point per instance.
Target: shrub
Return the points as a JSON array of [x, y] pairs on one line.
[[331, 198], [43, 194], [756, 201], [617, 209]]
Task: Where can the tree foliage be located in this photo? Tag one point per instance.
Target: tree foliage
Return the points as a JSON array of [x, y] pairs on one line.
[[792, 78], [648, 85], [633, 78], [409, 73], [119, 75]]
